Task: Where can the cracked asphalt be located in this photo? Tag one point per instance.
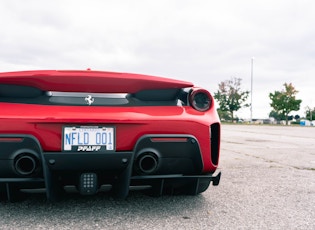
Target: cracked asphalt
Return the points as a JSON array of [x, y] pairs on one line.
[[268, 182]]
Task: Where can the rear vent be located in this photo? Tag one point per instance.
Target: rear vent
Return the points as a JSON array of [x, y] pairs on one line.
[[33, 95], [215, 142], [19, 91], [157, 95]]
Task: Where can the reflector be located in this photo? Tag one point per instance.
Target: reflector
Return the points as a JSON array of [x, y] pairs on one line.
[[11, 139]]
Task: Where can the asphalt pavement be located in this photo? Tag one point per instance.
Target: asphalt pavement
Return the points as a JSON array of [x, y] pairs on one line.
[[268, 182]]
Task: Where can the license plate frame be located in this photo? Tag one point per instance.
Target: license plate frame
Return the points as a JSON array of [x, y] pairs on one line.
[[88, 138]]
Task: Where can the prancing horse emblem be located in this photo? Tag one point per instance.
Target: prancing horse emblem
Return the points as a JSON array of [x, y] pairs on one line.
[[89, 99]]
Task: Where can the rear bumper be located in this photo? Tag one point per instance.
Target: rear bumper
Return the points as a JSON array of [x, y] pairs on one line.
[[164, 162]]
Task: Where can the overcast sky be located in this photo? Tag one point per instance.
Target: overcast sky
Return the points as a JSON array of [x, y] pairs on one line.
[[201, 41]]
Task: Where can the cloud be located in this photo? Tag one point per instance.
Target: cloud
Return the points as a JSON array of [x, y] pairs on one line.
[[200, 41]]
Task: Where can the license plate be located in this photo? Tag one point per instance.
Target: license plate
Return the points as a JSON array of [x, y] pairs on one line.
[[88, 139]]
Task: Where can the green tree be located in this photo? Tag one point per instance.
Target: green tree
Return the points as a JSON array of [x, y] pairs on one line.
[[224, 115], [310, 113], [230, 96], [276, 115], [283, 102]]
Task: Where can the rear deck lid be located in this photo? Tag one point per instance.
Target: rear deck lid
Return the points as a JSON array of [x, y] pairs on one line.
[[90, 81]]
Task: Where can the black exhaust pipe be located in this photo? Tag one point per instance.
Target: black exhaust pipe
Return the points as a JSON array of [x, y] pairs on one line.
[[147, 162], [26, 164]]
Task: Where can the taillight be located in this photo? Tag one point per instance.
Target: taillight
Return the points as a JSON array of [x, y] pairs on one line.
[[200, 99]]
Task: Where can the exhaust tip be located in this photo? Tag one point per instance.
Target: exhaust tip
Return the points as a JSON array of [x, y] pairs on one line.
[[147, 162], [26, 164]]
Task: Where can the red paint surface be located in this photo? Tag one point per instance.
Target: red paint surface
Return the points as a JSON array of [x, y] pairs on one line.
[[46, 122]]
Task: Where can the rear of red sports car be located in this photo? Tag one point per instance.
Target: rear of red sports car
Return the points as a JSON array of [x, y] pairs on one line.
[[91, 131]]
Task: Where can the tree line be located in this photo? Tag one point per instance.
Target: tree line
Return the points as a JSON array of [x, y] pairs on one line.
[[231, 98]]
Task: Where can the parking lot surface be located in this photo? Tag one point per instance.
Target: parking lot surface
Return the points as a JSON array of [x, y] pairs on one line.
[[268, 182]]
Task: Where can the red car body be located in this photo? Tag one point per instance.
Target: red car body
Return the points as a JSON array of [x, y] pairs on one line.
[[89, 128]]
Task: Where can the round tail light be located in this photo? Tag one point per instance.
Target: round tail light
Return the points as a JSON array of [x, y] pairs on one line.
[[200, 100]]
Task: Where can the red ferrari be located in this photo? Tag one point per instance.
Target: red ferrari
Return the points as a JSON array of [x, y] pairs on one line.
[[93, 131]]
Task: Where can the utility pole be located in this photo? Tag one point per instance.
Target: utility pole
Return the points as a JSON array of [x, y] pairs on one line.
[[251, 89]]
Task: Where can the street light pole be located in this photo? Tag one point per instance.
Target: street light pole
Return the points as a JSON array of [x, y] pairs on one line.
[[251, 89]]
